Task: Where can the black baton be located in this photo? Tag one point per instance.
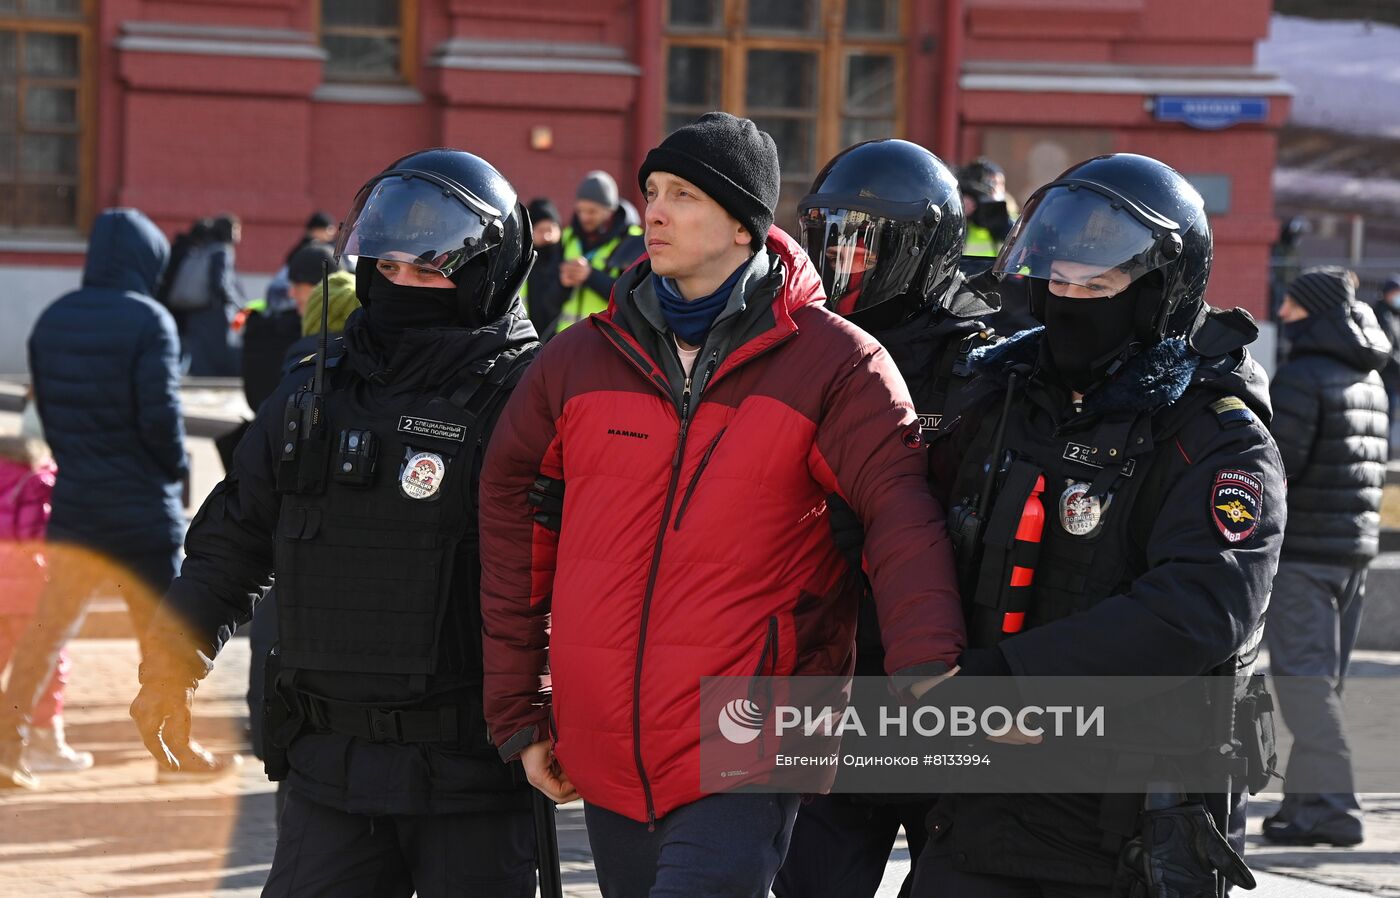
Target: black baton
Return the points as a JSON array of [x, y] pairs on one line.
[[547, 847]]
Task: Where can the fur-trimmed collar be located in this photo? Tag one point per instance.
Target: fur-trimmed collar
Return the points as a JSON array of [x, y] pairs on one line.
[[1148, 380]]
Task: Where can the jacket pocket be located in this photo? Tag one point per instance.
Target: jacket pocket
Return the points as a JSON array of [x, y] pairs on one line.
[[768, 656], [695, 478], [760, 688]]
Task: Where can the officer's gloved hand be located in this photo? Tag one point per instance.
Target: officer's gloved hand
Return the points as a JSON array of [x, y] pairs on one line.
[[162, 714], [1178, 853], [847, 530], [546, 496]]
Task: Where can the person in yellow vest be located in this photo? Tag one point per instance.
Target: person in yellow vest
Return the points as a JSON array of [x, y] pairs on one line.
[[599, 245], [989, 210]]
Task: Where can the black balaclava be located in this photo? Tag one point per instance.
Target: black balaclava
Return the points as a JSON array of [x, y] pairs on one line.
[[393, 309], [1087, 336]]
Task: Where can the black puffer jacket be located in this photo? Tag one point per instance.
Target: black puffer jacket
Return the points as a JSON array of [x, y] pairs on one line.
[[1331, 424], [1389, 319], [105, 363]]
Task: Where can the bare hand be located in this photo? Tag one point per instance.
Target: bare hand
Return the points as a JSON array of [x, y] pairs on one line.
[[162, 714], [923, 686], [544, 773], [574, 272]]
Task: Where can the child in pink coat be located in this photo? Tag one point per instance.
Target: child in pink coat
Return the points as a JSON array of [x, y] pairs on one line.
[[26, 485]]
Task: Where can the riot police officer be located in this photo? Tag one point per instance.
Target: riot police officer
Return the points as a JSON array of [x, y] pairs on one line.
[[1138, 414], [884, 225], [357, 483]]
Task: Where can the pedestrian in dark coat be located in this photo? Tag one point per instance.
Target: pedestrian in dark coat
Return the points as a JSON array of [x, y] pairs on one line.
[[1331, 424], [543, 294], [1387, 311], [105, 368]]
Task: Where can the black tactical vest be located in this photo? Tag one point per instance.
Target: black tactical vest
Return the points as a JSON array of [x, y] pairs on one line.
[[1092, 545], [365, 565], [1092, 479]]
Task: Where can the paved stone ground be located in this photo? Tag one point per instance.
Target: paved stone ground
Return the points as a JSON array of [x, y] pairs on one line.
[[113, 831]]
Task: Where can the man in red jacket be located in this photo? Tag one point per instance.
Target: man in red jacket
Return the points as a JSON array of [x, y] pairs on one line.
[[701, 422]]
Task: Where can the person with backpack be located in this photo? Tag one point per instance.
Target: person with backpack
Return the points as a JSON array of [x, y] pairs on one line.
[[205, 297]]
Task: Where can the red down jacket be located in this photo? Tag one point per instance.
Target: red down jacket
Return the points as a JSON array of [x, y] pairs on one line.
[[698, 547]]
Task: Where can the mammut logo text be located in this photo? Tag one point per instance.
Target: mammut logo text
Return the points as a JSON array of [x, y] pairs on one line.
[[613, 431]]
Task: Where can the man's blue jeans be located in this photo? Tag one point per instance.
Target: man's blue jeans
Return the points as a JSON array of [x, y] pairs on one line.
[[728, 844]]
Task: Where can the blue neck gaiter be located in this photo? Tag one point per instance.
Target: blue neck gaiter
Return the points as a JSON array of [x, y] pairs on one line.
[[691, 320]]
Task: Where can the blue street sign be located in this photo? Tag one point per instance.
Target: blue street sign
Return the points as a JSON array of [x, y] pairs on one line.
[[1211, 113]]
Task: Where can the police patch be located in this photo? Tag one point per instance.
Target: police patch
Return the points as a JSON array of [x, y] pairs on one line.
[[1236, 504], [427, 427], [1081, 513], [1085, 456], [422, 475]]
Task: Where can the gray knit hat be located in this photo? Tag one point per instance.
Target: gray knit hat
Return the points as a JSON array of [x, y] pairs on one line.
[[598, 187], [1320, 289]]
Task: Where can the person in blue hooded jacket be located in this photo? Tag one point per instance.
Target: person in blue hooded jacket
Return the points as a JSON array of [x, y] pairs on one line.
[[104, 360]]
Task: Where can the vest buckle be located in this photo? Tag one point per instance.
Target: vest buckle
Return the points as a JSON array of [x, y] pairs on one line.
[[385, 725]]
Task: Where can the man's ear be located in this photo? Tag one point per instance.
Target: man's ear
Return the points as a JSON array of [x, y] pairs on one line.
[[742, 237]]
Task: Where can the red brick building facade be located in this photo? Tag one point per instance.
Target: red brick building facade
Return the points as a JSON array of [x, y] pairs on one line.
[[272, 108]]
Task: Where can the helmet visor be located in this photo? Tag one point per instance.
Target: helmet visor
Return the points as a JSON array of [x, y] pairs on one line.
[[1076, 235], [863, 259], [411, 219]]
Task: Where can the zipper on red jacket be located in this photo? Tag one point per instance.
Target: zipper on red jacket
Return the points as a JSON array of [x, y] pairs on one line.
[[695, 480], [676, 459]]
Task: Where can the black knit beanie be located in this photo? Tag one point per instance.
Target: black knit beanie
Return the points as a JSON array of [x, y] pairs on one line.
[[1320, 289], [729, 159], [542, 209]]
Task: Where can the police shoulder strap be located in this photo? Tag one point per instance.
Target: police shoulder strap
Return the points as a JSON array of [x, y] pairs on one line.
[[335, 352], [489, 379]]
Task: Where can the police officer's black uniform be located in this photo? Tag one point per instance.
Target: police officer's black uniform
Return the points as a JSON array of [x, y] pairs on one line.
[[363, 500], [1164, 504], [884, 225]]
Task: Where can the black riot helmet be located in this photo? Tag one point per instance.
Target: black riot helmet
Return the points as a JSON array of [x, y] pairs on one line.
[[450, 211], [1122, 212], [883, 221]]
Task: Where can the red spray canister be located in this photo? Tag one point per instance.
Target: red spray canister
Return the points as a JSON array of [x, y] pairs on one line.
[[1025, 552]]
